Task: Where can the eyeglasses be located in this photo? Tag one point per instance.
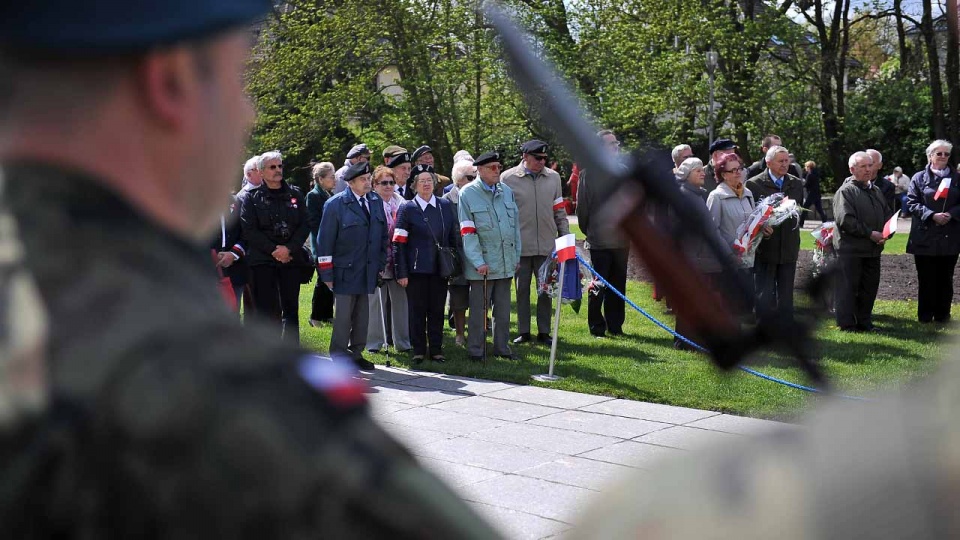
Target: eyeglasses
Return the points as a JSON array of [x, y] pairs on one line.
[[271, 167], [942, 154], [470, 177], [539, 158], [493, 166], [387, 183], [737, 170]]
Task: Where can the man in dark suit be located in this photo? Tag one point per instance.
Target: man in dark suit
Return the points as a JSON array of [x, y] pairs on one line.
[[323, 183], [775, 266], [351, 255]]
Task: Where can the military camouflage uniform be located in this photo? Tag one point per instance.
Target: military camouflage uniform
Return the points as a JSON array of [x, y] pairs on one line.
[[168, 418]]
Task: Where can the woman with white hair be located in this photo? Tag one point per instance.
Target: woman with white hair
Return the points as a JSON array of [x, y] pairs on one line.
[[691, 176], [463, 173], [933, 201]]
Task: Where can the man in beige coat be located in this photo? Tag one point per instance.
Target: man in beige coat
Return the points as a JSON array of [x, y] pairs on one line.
[[537, 190]]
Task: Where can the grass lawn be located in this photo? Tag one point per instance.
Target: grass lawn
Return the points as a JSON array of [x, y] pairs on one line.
[[894, 246], [644, 366]]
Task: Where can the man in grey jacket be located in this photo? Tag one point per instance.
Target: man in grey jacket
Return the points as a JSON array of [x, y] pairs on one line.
[[539, 197], [609, 250], [861, 211]]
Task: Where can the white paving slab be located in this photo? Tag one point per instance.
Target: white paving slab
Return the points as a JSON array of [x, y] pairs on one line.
[[485, 454], [390, 374], [548, 439], [532, 496], [549, 397], [501, 409], [600, 424], [444, 421], [632, 454], [458, 474], [519, 525], [685, 438], [740, 425], [408, 394], [380, 407], [463, 385], [413, 437], [649, 411], [579, 472]]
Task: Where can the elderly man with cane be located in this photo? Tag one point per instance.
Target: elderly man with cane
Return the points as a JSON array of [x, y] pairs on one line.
[[491, 245]]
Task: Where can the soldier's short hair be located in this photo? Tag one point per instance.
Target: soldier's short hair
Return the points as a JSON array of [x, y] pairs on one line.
[[771, 140], [677, 151], [856, 157], [875, 155], [268, 156], [250, 165]]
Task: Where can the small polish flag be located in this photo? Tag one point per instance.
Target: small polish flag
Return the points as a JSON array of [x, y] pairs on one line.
[[558, 204], [325, 263], [943, 189], [400, 236], [566, 248], [891, 227], [467, 227]]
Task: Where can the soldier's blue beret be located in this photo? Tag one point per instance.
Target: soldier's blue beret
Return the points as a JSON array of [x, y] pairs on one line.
[[534, 147], [486, 158], [104, 27], [357, 151], [721, 144], [355, 170]]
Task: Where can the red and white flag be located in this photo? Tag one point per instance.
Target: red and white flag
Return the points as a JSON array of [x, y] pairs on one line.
[[943, 189], [891, 227], [566, 248], [400, 236]]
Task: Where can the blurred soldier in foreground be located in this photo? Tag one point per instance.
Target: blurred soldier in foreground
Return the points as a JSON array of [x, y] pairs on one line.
[[160, 416]]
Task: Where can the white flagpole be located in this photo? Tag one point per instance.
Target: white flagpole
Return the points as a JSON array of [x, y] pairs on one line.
[[550, 377]]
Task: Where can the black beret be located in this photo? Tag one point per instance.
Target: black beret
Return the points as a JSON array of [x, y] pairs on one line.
[[722, 144], [358, 150], [398, 160], [485, 158], [355, 170], [419, 152], [98, 27], [420, 169], [534, 147]]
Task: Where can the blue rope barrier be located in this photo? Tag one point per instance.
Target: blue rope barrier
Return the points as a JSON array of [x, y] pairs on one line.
[[655, 321]]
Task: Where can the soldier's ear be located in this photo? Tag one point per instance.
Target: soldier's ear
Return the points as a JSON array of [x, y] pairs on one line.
[[170, 87]]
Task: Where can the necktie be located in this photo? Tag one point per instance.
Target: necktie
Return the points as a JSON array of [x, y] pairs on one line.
[[363, 204]]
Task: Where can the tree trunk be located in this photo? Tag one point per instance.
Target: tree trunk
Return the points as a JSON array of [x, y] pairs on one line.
[[906, 61], [933, 68], [953, 70]]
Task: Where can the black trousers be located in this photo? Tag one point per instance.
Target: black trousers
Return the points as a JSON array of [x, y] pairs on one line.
[[426, 297], [816, 201], [856, 291], [935, 295], [605, 311], [774, 284], [322, 305], [276, 289]]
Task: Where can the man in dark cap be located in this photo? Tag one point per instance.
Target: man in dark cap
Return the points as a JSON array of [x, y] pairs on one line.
[[717, 149], [351, 255], [391, 152], [132, 401], [401, 166], [358, 154], [489, 225], [424, 156], [543, 217]]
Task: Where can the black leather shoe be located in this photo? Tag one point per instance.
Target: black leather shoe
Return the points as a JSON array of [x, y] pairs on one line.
[[617, 333], [418, 359], [363, 364], [523, 338], [438, 358], [544, 339]]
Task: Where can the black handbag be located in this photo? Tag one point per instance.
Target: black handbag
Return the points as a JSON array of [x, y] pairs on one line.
[[449, 265], [303, 261]]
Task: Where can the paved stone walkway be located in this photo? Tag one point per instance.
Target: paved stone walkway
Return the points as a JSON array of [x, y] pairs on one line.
[[530, 458]]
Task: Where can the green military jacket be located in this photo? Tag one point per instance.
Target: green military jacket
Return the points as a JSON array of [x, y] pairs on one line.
[[168, 418], [859, 210], [489, 225]]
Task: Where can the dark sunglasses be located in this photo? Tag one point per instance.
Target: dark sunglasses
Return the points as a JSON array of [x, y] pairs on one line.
[[271, 167], [539, 158], [387, 183], [942, 154], [470, 177]]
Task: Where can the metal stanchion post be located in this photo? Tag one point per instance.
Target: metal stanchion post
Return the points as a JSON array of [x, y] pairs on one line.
[[549, 376]]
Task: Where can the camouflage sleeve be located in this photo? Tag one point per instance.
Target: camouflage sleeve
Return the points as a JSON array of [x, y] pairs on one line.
[[253, 448]]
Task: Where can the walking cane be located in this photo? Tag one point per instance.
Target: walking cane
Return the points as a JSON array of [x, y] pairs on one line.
[[484, 318], [383, 324]]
